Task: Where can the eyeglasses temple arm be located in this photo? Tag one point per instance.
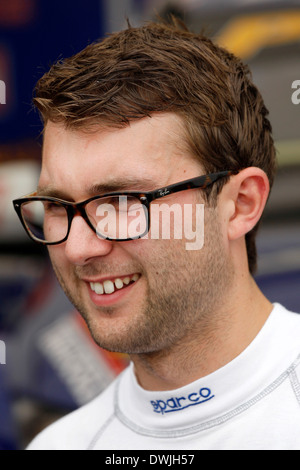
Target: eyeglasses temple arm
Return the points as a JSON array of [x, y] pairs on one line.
[[194, 183]]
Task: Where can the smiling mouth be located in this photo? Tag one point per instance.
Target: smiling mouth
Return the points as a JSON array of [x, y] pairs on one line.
[[109, 286]]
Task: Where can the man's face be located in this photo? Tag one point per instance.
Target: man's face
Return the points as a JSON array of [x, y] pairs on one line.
[[174, 289]]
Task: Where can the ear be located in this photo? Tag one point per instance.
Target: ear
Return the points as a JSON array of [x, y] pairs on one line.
[[247, 194]]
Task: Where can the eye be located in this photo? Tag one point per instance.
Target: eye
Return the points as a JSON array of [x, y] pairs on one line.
[[53, 208]]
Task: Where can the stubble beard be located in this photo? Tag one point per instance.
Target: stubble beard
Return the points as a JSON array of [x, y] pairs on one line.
[[184, 290]]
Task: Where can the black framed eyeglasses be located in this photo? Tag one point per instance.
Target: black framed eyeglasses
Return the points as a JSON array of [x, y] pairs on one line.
[[117, 216]]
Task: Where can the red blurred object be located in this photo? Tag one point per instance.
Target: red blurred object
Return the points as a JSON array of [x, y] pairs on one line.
[[16, 12]]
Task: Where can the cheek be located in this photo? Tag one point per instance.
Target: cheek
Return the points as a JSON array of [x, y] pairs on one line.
[[58, 258], [158, 258]]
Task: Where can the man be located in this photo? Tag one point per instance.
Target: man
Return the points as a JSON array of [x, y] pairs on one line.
[[130, 123]]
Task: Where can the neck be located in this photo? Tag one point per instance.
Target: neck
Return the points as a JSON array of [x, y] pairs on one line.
[[206, 348]]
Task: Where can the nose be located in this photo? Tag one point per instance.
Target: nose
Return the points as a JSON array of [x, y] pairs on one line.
[[83, 244]]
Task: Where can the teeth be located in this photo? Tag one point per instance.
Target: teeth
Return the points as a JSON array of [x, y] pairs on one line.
[[98, 288], [108, 286], [118, 283]]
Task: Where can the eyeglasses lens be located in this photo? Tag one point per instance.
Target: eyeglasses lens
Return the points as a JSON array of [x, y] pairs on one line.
[[118, 217]]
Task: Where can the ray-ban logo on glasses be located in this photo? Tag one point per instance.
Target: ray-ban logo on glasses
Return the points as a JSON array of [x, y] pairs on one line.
[[131, 220], [163, 192]]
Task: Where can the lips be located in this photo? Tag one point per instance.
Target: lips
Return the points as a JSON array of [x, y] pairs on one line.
[[109, 286]]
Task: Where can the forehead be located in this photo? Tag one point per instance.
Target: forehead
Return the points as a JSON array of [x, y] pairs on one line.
[[152, 149]]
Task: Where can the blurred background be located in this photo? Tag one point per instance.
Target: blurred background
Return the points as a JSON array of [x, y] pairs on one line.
[[49, 365]]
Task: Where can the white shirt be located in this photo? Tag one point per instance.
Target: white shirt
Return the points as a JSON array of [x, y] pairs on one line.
[[251, 403]]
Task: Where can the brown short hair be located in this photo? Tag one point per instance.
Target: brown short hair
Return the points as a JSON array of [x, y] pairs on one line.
[[166, 68]]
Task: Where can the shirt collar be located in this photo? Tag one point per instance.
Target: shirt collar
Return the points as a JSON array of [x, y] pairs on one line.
[[218, 394]]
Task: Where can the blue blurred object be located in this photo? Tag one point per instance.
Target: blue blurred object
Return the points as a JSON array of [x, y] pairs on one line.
[[8, 432], [282, 288], [278, 274], [31, 39]]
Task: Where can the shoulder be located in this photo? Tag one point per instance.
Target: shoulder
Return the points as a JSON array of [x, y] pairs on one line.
[[76, 430], [288, 318], [285, 332], [287, 323]]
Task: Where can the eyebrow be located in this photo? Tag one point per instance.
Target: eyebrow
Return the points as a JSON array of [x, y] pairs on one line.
[[128, 184]]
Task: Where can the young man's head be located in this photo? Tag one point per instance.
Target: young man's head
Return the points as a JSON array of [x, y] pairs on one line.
[[163, 68], [141, 111]]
